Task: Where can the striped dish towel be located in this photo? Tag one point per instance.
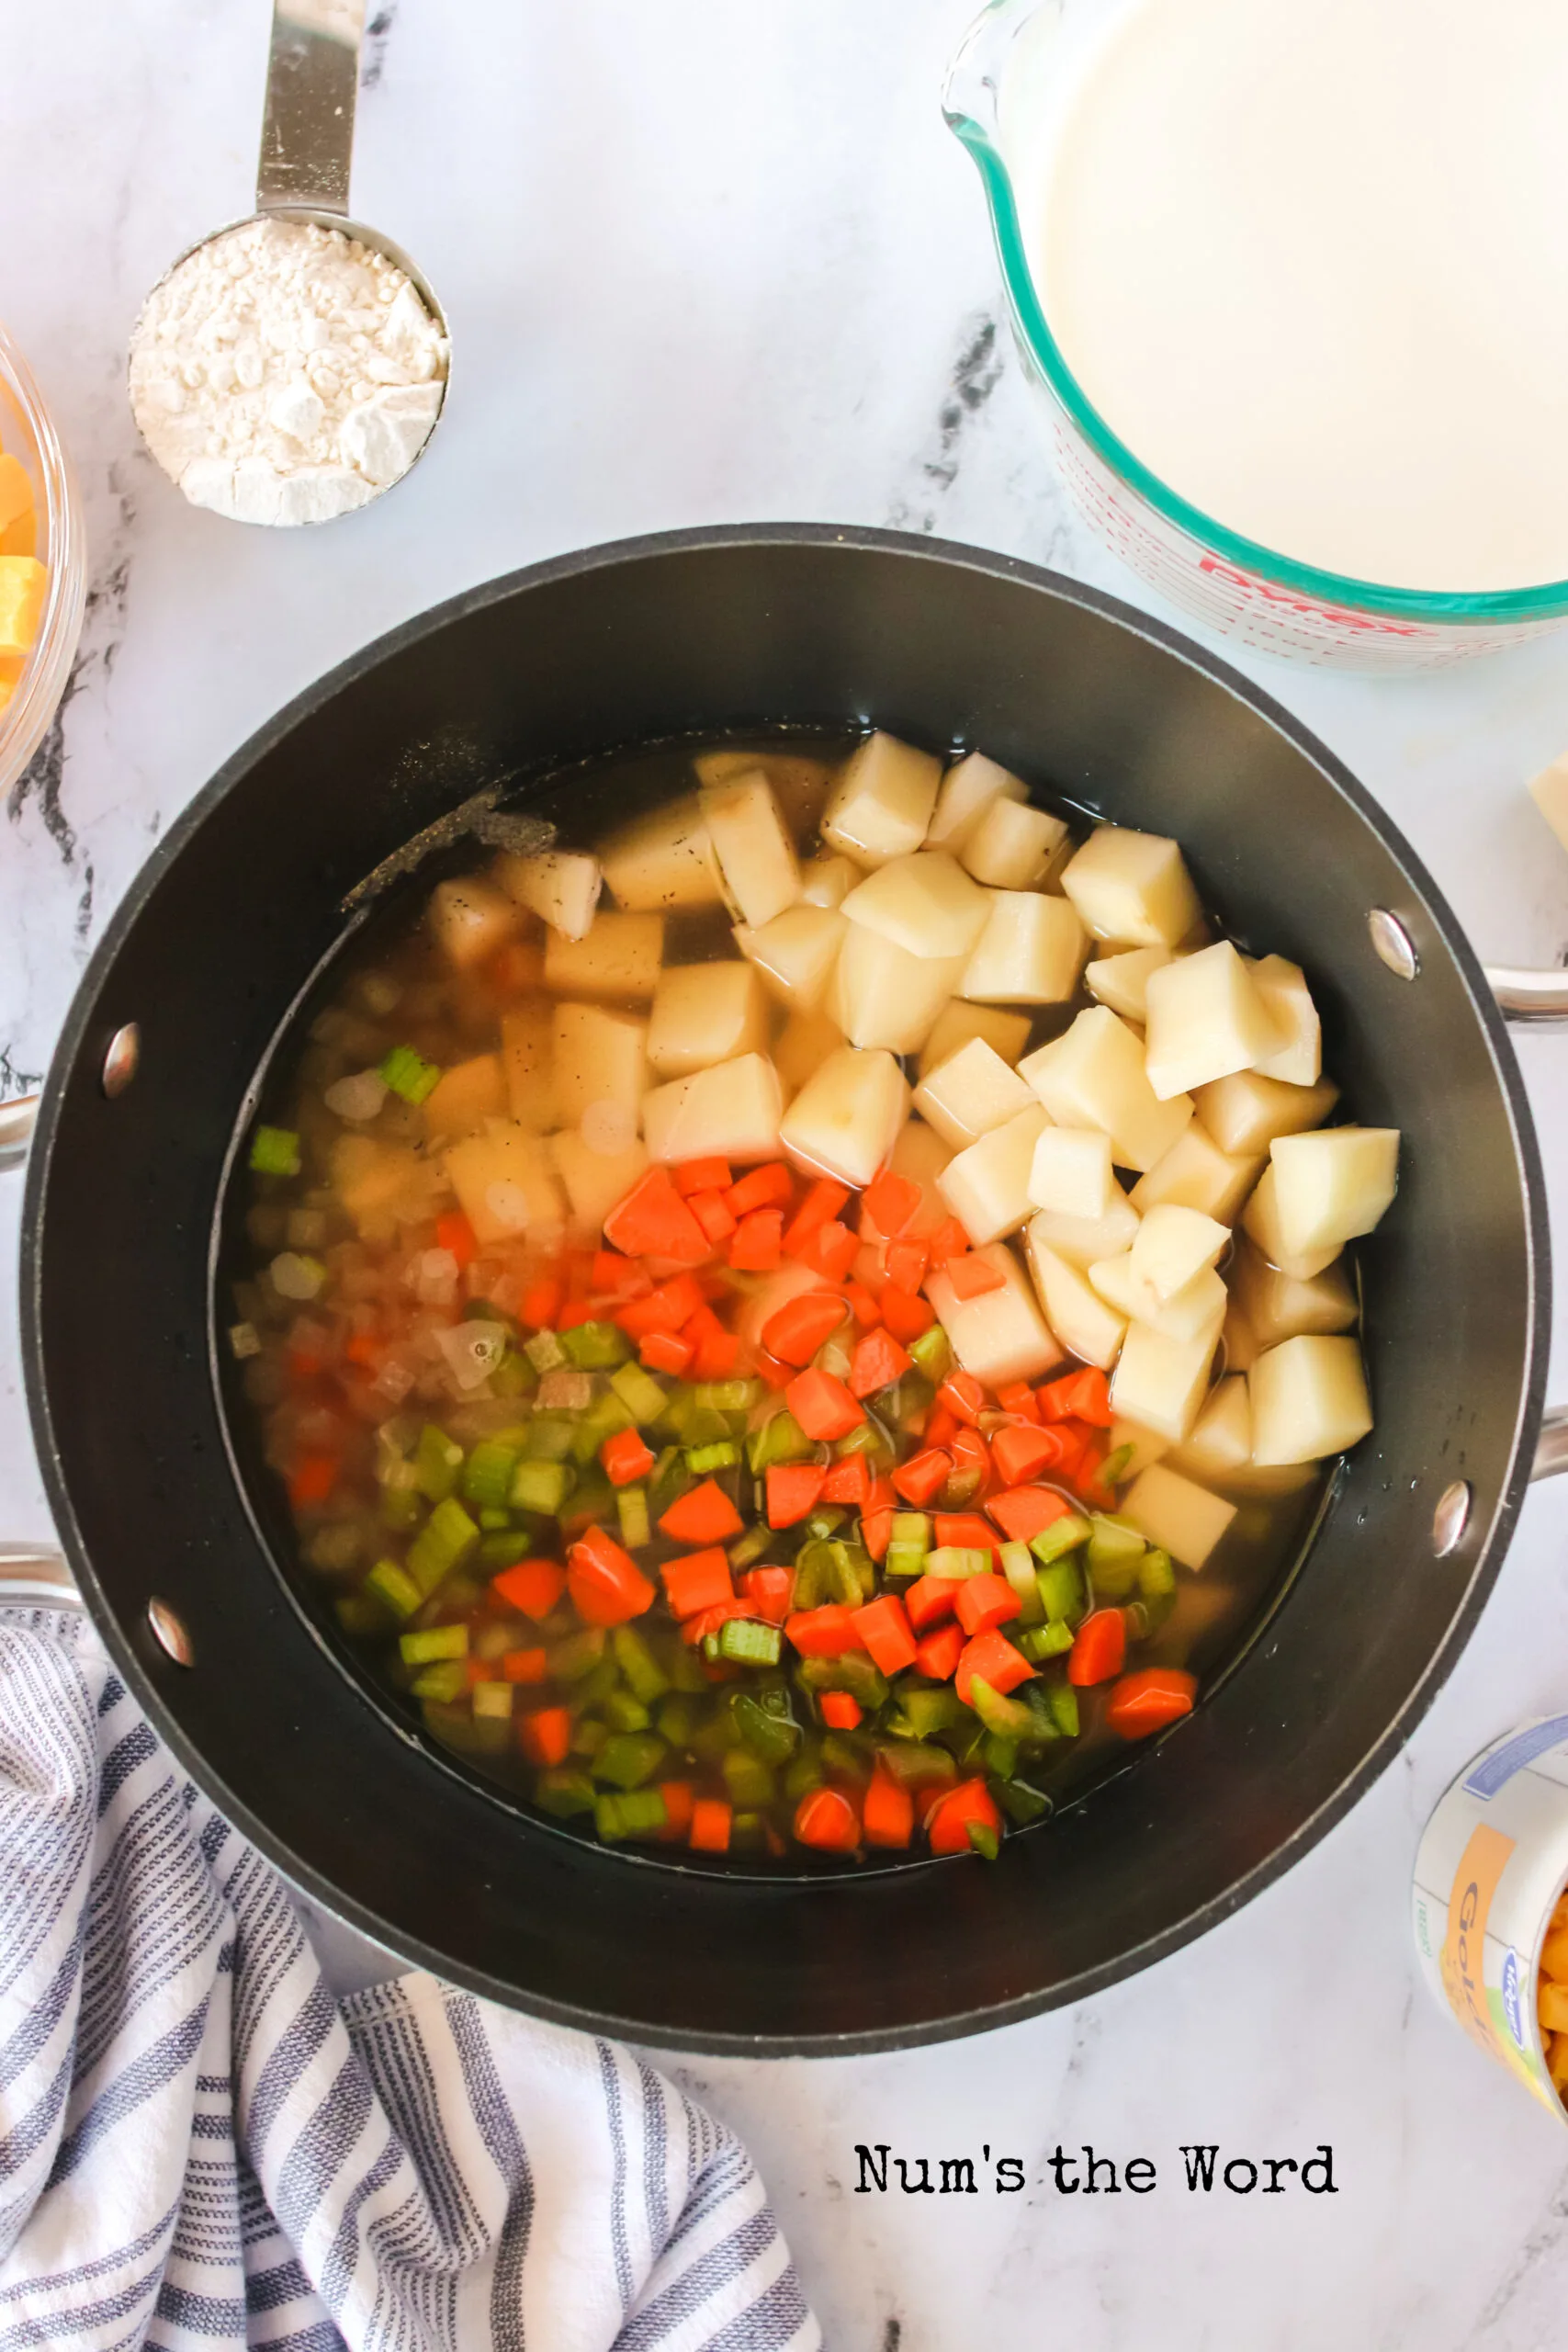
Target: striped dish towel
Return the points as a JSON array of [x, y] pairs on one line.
[[200, 2147]]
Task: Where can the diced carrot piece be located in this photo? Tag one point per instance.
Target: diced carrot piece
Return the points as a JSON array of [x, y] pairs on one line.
[[865, 1305], [906, 1262], [993, 1658], [711, 1214], [924, 1475], [545, 1735], [887, 1814], [453, 1233], [827, 1632], [768, 1591], [802, 1324], [1022, 1452], [878, 1362], [664, 1351], [890, 1201], [768, 1187], [1148, 1701], [703, 1176], [711, 1818], [698, 1580], [832, 1250], [971, 1463], [541, 1303], [709, 1620], [625, 1458], [965, 1529], [777, 1375], [823, 1405], [667, 1309], [840, 1711], [525, 1666], [848, 1482], [1022, 1512], [876, 1529], [821, 1204], [1099, 1647], [575, 1311], [948, 1240], [314, 1478], [606, 1586], [653, 1221], [825, 1819], [884, 1630], [942, 1425], [1079, 1395], [532, 1587], [929, 1599], [937, 1653], [680, 1802], [364, 1351], [717, 1355], [756, 1244], [947, 1824], [704, 1516], [884, 1495], [963, 1395], [981, 1602], [972, 1276], [613, 1273], [794, 1489], [1020, 1399], [905, 1316]]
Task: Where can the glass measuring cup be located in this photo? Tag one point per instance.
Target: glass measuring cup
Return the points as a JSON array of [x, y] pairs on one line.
[[1009, 90]]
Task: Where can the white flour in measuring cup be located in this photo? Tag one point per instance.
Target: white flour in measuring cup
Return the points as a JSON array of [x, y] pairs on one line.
[[1311, 264]]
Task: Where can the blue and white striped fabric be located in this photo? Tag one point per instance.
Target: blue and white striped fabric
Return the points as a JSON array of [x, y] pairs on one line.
[[200, 2147]]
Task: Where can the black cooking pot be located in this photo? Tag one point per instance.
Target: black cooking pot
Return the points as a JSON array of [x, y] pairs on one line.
[[236, 910]]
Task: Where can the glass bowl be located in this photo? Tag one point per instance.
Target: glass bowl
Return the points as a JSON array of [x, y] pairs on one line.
[[26, 431], [1007, 92]]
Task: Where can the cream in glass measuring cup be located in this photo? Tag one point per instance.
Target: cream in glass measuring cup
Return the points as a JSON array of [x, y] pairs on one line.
[[1312, 268]]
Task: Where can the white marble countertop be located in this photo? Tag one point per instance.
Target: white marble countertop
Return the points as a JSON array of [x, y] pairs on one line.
[[708, 263]]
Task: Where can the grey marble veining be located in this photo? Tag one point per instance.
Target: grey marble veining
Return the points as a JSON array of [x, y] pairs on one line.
[[705, 262]]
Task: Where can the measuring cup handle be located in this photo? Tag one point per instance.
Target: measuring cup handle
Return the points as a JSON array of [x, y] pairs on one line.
[[312, 78]]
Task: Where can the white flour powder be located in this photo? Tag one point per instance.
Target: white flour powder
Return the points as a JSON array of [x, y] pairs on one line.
[[285, 373]]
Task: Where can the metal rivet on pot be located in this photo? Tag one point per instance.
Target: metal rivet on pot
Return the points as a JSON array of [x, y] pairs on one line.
[[1391, 944], [120, 1061], [1451, 1518], [169, 1630]]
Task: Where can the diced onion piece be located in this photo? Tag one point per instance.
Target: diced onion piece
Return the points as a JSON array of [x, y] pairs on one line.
[[705, 1013], [755, 853], [1288, 999], [1080, 1318], [987, 1185], [1093, 1076], [1001, 1334], [472, 1351], [883, 801], [1309, 1399], [924, 903], [1133, 886], [357, 1099], [795, 953], [296, 1276], [971, 1094], [730, 1112], [562, 885], [1333, 1185], [618, 955], [1031, 950], [1011, 845], [1206, 1019], [1181, 1518], [968, 790], [844, 1121]]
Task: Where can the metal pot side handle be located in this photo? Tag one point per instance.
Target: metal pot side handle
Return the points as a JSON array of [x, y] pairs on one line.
[[1525, 996], [17, 1121]]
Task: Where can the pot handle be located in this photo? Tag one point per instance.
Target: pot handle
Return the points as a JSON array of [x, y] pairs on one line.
[[17, 1121], [33, 1576]]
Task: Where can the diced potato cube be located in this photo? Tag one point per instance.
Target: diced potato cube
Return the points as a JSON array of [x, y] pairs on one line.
[[881, 995], [925, 904], [883, 801], [1287, 1002], [1548, 791], [1084, 1239], [466, 1096], [1161, 1382], [705, 1013], [1262, 1222], [1197, 1311], [1077, 1314], [1237, 1341], [1196, 1174], [1174, 1245], [1007, 1034], [382, 1185], [828, 881], [1011, 845], [845, 1119], [600, 1061], [1031, 950], [1332, 1185], [920, 1155], [987, 1186], [972, 1094], [801, 784], [968, 789], [795, 953], [506, 1186], [664, 860], [470, 918], [1220, 1448], [730, 1112], [1093, 1077], [1244, 1114], [1123, 981], [1309, 1400], [1133, 886], [1206, 1019], [527, 1054], [618, 955], [1182, 1519], [805, 1042], [1146, 1445], [560, 884], [1277, 1308], [1000, 1336], [755, 853], [594, 1181], [1072, 1172]]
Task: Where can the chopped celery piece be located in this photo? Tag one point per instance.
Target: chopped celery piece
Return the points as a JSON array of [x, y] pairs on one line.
[[563, 1791], [389, 1583], [635, 1812], [631, 1510], [1156, 1573], [578, 1655], [1061, 1591], [445, 1680], [813, 1574], [606, 1417], [1000, 1755], [929, 1710], [958, 1560], [855, 1673], [905, 1560], [912, 1527], [747, 1835], [801, 1775], [932, 1354], [638, 1392], [587, 1737], [826, 1520], [487, 1474], [779, 1439], [772, 1737], [410, 1075], [750, 1641], [433, 1642], [594, 1347], [1038, 1641], [686, 1670], [512, 1376], [841, 1575], [592, 1497], [1008, 1718], [1017, 1563], [984, 1840], [1113, 1469], [436, 1461], [711, 1741], [361, 1614], [625, 1713], [845, 1754], [726, 1396], [445, 1541], [642, 1670], [676, 1719], [859, 1440], [493, 1520], [401, 1497], [748, 1548], [274, 1151], [543, 1352], [702, 1460], [494, 1640], [918, 1763], [749, 1780], [693, 1423], [493, 1700], [541, 1486], [502, 1550], [1021, 1803], [668, 1482], [1112, 1540], [1063, 1701], [549, 1437], [1062, 1535]]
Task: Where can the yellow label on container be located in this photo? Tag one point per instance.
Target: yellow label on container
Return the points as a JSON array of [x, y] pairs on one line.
[[1482, 1865]]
